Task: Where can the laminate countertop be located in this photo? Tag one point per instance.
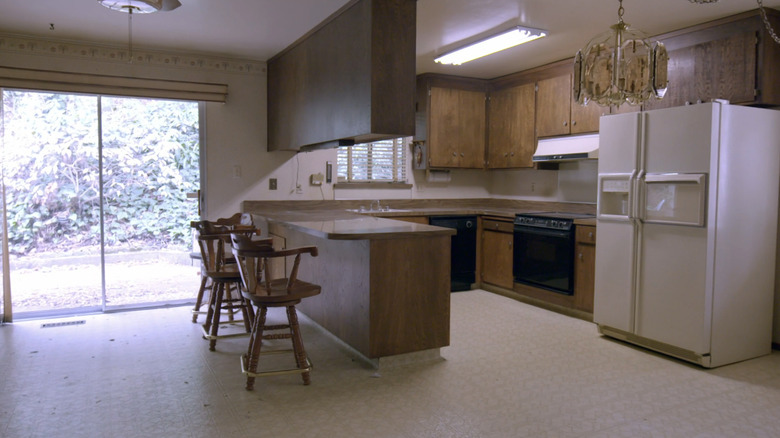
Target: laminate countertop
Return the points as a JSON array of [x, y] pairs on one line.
[[344, 220]]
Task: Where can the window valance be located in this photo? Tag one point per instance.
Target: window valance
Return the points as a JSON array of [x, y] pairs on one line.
[[111, 85]]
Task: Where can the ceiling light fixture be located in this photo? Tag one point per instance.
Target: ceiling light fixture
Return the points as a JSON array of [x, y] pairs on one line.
[[138, 7], [620, 66], [496, 43]]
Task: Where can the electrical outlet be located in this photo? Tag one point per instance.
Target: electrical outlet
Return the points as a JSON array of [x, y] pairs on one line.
[[298, 189], [272, 184]]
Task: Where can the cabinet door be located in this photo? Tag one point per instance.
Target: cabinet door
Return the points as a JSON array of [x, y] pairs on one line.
[[584, 267], [553, 106], [497, 258], [456, 128], [511, 130], [586, 118], [471, 129], [443, 127]]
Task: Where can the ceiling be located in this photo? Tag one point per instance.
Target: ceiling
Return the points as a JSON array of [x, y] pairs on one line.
[[258, 29]]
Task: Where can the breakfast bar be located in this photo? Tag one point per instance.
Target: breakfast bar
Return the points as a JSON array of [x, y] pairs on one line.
[[385, 283]]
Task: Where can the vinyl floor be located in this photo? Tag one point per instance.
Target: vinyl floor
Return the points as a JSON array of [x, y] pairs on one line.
[[512, 370]]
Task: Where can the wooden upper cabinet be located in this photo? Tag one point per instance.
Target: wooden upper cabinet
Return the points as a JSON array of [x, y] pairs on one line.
[[586, 118], [733, 59], [558, 114], [553, 106], [455, 127], [511, 140], [720, 69], [352, 78]]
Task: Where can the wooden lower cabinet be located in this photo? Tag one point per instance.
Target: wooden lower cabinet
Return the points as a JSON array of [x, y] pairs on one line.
[[497, 253], [584, 267]]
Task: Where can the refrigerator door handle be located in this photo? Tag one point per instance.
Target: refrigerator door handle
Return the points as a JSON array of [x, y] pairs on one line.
[[634, 200]]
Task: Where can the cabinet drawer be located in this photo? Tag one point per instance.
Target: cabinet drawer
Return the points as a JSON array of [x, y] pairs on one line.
[[586, 234], [494, 225]]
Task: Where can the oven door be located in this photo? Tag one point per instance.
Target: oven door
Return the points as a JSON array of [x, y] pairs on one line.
[[544, 258]]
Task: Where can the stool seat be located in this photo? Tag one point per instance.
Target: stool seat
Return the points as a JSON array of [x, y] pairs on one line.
[[263, 292], [278, 293]]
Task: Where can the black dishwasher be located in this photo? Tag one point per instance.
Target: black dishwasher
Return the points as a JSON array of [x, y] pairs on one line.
[[463, 260]]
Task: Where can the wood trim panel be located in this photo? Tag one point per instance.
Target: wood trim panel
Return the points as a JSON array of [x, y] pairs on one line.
[[410, 295]]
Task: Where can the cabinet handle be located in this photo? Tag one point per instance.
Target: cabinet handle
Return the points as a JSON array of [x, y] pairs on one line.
[[580, 256], [462, 154], [565, 123], [510, 243], [505, 154], [454, 154], [573, 122], [512, 154], [590, 235], [496, 226]]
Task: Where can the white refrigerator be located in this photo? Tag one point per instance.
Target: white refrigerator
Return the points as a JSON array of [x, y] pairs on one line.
[[687, 230]]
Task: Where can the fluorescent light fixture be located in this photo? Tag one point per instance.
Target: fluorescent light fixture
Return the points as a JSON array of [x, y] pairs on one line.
[[496, 43]]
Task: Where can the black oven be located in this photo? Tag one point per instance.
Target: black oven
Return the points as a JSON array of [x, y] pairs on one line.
[[544, 251]]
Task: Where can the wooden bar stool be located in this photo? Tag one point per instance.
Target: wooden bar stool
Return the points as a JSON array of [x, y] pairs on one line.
[[264, 291], [225, 282], [237, 220]]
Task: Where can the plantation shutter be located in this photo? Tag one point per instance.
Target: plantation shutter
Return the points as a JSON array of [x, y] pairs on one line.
[[383, 161]]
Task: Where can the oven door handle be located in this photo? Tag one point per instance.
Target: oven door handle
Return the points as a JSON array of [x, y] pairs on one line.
[[542, 232]]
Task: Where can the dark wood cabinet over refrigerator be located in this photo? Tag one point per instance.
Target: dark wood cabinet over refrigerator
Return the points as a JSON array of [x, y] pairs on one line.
[[350, 80]]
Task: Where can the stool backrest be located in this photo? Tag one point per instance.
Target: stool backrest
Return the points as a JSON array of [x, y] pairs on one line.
[[253, 258], [211, 241]]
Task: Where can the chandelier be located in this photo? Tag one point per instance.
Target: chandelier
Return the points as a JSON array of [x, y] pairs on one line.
[[619, 66]]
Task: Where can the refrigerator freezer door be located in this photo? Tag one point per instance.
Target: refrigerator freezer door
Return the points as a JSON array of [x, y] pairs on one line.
[[674, 199], [614, 297], [619, 143]]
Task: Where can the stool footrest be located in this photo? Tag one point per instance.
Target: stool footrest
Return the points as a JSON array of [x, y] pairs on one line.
[[308, 367], [209, 336]]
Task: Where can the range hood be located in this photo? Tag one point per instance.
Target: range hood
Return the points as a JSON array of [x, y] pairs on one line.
[[568, 148]]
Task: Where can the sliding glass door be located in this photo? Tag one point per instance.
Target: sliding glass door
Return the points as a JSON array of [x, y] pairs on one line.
[[96, 201]]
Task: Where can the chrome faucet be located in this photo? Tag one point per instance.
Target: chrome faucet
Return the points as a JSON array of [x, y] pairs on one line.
[[378, 206]]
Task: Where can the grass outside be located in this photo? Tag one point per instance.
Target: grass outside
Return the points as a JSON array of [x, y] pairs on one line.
[[60, 283]]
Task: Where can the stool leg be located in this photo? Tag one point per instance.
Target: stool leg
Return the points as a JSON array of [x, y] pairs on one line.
[[227, 300], [297, 340], [246, 311], [210, 307], [199, 299], [220, 291], [255, 343]]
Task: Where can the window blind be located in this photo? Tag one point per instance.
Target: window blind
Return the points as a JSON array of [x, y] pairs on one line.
[[379, 161]]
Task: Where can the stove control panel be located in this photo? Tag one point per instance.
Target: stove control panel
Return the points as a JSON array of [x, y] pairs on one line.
[[544, 222]]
